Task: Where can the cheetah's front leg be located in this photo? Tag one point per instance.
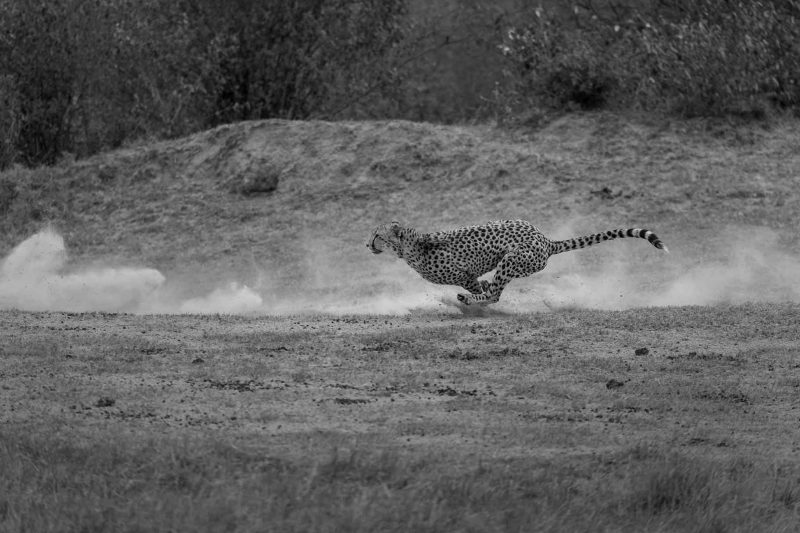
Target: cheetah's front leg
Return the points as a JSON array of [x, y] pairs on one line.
[[515, 264], [477, 286], [490, 295]]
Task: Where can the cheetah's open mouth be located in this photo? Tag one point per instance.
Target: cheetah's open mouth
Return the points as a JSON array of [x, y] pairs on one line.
[[375, 245]]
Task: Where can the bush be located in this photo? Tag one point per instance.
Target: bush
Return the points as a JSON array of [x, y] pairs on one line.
[[9, 120], [294, 59], [695, 59], [88, 75], [557, 66], [77, 77], [724, 62], [38, 78], [80, 77]]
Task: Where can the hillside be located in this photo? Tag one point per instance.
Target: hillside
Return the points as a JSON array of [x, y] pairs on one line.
[[717, 194]]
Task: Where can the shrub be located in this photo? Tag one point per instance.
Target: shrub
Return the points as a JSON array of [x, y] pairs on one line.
[[35, 64], [558, 66], [292, 59], [87, 75], [9, 120], [723, 62], [691, 59], [81, 76], [8, 193]]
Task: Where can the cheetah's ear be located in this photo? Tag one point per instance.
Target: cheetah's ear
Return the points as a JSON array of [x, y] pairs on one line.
[[395, 227]]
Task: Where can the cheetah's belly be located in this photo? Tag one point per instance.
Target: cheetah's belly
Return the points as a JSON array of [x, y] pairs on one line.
[[449, 267]]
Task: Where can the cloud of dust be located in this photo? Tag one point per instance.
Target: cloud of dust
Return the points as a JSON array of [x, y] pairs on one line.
[[348, 279], [738, 265], [231, 299], [33, 278], [36, 276]]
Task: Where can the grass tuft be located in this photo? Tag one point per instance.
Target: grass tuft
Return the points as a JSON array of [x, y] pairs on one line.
[[676, 483]]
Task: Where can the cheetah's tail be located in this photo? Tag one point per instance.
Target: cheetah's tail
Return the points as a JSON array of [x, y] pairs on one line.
[[582, 242]]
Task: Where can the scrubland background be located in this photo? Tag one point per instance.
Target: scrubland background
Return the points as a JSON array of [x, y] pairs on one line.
[[79, 76]]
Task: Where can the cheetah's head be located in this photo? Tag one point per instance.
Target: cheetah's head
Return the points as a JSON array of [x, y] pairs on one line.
[[387, 236]]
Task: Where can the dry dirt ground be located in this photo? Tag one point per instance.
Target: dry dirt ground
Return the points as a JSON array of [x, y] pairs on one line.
[[661, 419], [594, 398]]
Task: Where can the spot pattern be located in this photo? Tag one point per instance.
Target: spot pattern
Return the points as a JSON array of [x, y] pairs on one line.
[[512, 248]]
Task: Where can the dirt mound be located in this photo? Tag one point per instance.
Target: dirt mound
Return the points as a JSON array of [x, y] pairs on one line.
[[282, 207]]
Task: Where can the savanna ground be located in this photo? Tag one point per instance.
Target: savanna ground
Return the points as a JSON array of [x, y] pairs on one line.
[[577, 404]]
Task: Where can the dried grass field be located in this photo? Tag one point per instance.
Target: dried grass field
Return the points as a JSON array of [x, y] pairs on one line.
[[179, 352]]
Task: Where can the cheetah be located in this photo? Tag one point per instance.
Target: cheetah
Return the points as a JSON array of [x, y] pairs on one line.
[[512, 248]]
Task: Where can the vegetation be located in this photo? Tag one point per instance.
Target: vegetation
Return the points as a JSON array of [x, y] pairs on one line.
[[78, 76], [684, 58]]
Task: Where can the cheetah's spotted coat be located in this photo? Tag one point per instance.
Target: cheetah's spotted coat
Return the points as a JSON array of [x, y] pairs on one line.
[[513, 248]]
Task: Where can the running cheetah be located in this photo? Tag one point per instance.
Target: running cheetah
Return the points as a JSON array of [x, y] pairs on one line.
[[513, 248]]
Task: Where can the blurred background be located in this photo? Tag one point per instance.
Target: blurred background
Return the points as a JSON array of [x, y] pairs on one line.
[[81, 76]]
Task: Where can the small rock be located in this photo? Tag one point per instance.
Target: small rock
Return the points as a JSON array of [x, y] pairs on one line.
[[350, 401], [105, 401], [197, 361], [642, 351], [106, 173], [256, 179], [614, 384]]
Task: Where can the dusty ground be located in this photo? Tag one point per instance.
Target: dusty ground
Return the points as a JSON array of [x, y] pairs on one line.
[[599, 400], [570, 382], [351, 395]]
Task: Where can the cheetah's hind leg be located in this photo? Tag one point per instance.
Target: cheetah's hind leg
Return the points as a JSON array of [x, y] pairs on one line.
[[516, 264]]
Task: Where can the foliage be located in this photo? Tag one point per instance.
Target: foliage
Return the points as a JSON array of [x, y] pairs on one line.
[[87, 75], [559, 67], [293, 59], [80, 76], [9, 119], [724, 62], [691, 60], [448, 62]]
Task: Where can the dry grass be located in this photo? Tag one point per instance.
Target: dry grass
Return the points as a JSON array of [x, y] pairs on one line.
[[428, 423]]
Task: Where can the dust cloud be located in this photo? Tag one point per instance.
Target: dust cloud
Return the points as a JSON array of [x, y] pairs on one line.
[[36, 276], [736, 266]]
